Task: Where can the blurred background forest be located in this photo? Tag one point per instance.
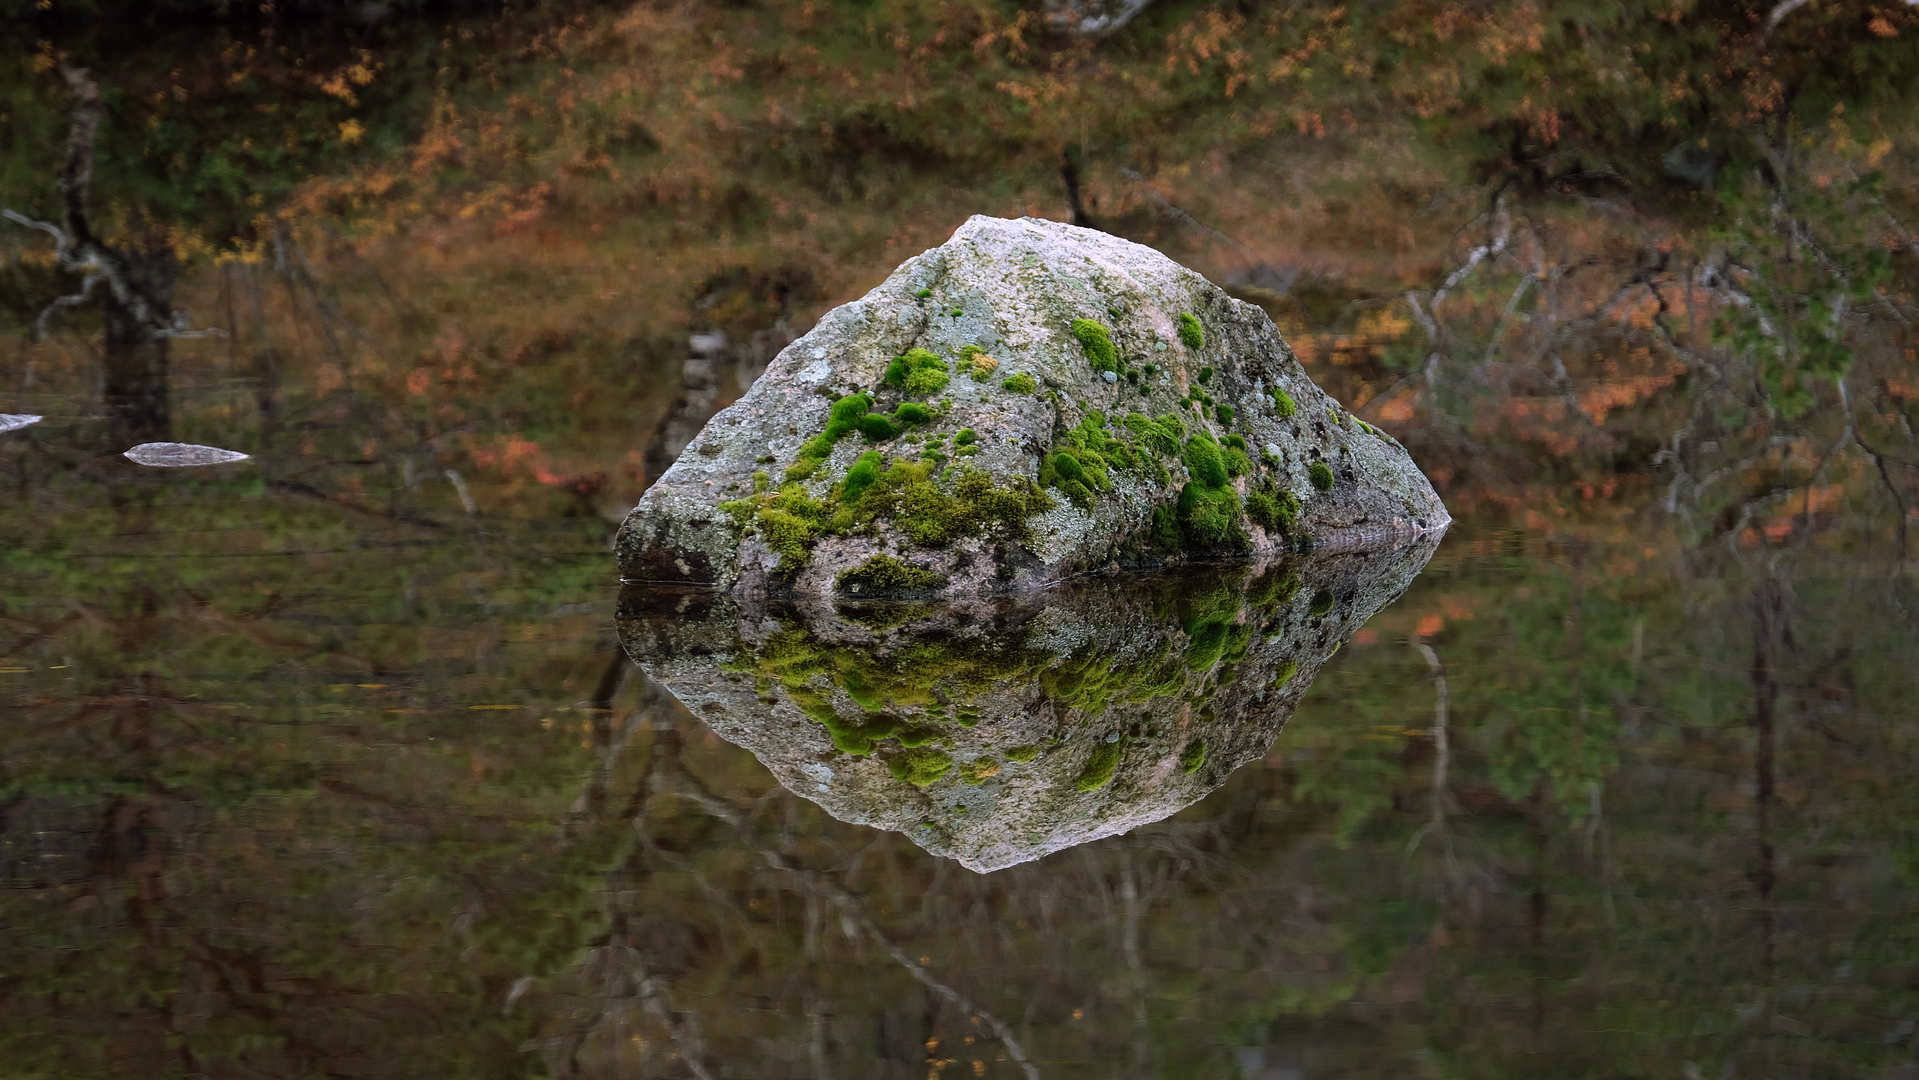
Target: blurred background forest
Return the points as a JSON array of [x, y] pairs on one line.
[[331, 765]]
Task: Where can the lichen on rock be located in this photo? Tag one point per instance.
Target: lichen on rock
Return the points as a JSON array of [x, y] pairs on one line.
[[1059, 449]]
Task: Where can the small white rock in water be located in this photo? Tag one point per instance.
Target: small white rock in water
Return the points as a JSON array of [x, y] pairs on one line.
[[178, 455], [16, 421]]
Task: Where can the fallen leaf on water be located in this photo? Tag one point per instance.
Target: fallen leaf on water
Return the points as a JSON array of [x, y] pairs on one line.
[[180, 455], [14, 421]]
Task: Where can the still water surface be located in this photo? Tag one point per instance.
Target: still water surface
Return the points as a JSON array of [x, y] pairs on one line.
[[290, 788]]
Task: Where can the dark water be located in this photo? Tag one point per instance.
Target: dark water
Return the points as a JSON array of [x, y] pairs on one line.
[[294, 785]]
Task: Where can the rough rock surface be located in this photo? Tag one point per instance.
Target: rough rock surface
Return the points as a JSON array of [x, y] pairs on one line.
[[999, 731], [1006, 311]]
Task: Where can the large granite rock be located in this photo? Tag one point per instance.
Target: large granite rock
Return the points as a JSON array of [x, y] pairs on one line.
[[1027, 401], [997, 731]]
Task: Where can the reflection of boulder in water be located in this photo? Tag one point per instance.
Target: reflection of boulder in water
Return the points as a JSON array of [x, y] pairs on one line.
[[999, 732]]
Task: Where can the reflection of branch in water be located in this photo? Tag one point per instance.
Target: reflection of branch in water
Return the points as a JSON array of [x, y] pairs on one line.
[[1261, 272], [1442, 755], [622, 976], [1132, 911], [669, 778], [1492, 248], [1879, 461], [592, 799]]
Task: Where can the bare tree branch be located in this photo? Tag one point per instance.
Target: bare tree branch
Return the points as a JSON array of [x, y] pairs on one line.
[[81, 297], [1779, 12], [77, 249], [48, 227], [1093, 18], [1492, 248], [1506, 320]]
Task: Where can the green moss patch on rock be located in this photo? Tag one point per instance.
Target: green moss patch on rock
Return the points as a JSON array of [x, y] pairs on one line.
[[1101, 767], [864, 473], [917, 371], [1161, 436], [1210, 516], [979, 770], [1191, 758], [878, 427], [886, 576], [1191, 333], [1097, 340], [1321, 474], [921, 767], [1081, 462], [1209, 510], [1273, 508], [1283, 673], [844, 417], [1204, 461], [931, 512]]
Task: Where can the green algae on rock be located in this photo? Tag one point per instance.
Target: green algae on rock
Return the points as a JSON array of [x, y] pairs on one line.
[[1017, 725], [1084, 461]]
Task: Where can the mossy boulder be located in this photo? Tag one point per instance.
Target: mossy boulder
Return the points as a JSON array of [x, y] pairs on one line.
[[1001, 729], [1091, 403]]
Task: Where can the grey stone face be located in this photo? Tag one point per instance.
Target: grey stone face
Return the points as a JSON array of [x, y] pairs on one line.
[[998, 731], [1000, 300]]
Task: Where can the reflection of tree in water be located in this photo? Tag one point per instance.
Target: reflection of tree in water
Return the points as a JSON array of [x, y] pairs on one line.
[[134, 282], [336, 878], [616, 979]]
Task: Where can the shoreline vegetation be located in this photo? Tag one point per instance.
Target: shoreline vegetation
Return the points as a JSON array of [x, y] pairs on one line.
[[1643, 244]]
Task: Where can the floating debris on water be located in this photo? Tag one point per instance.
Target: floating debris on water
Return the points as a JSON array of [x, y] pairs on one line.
[[175, 455]]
